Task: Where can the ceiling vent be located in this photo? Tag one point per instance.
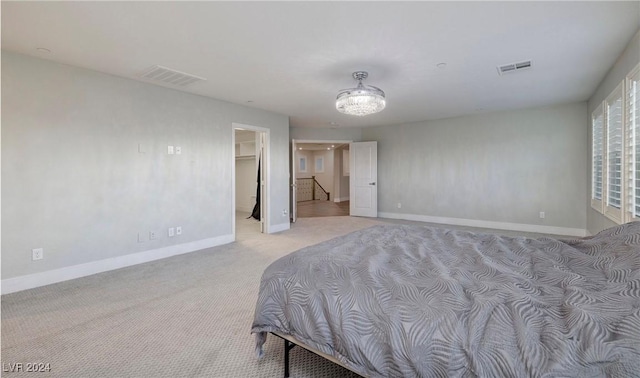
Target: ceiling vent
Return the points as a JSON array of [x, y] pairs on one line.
[[513, 67], [171, 76]]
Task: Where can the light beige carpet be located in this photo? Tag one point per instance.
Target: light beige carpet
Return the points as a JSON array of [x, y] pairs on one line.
[[185, 316]]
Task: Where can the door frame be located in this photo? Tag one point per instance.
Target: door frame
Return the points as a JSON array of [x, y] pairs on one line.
[[292, 174], [265, 173]]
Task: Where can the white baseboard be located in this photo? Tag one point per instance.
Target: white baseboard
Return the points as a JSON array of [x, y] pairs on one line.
[[341, 199], [279, 227], [566, 231], [30, 281]]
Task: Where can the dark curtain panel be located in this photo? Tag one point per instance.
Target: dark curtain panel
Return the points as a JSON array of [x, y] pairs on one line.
[[256, 209]]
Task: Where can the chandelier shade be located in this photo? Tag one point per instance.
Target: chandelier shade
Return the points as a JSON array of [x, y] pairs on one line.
[[361, 100]]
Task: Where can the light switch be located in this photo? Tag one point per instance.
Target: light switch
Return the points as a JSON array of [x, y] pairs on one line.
[[170, 150]]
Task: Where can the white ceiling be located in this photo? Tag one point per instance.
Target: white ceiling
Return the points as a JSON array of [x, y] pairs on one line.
[[293, 57]]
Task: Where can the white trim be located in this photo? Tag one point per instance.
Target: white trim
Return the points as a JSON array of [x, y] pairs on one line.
[[335, 141], [279, 227], [611, 212], [233, 181], [490, 224], [629, 145], [30, 281], [341, 199], [598, 204]]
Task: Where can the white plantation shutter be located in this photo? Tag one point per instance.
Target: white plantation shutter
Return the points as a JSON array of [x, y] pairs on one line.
[[632, 144], [597, 167], [614, 131], [615, 148]]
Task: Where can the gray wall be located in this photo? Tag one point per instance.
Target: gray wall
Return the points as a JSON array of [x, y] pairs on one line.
[[501, 167], [74, 183], [597, 222]]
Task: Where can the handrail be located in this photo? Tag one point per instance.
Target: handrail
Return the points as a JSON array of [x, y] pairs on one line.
[[316, 183]]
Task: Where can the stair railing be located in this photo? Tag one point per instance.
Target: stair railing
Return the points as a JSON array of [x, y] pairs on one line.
[[309, 189]]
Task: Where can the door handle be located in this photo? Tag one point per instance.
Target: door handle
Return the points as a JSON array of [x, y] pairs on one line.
[[372, 183]]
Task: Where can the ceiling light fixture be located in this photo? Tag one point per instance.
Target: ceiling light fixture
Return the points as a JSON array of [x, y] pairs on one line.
[[361, 100]]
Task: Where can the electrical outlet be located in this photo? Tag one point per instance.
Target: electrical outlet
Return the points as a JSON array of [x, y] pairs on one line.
[[179, 230], [284, 212], [178, 150], [170, 150], [171, 232], [152, 235], [542, 215], [399, 205], [142, 237], [37, 254]]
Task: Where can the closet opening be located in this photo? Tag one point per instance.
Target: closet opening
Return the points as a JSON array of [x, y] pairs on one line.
[[250, 180]]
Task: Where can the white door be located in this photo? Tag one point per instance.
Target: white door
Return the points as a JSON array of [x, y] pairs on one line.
[[294, 188], [261, 137], [363, 166]]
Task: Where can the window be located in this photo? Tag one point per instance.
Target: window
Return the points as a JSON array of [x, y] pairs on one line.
[[613, 125], [302, 163], [319, 164], [597, 127], [632, 102], [615, 164]]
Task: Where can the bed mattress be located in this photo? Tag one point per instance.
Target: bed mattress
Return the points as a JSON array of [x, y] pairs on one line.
[[415, 301]]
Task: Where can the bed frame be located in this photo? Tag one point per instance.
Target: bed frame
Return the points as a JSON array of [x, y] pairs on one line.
[[290, 342]]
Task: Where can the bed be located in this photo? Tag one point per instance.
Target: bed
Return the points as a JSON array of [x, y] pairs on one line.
[[415, 301]]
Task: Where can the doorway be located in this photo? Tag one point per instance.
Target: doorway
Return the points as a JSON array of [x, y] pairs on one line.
[[250, 180], [320, 178]]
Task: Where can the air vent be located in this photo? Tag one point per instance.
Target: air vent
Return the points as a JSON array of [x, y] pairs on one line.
[[171, 76], [513, 67]]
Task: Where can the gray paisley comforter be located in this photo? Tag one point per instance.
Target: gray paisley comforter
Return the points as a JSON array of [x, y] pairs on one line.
[[414, 301]]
